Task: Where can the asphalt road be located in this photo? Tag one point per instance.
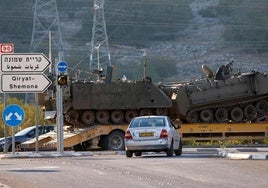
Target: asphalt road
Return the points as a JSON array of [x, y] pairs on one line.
[[203, 169]]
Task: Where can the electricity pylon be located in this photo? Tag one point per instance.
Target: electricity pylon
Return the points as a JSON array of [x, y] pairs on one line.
[[46, 21], [100, 53], [46, 33]]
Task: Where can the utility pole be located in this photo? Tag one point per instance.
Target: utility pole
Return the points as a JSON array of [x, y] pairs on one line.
[[47, 38], [100, 53]]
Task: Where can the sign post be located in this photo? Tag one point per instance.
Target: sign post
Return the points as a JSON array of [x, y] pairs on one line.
[[13, 115], [23, 73], [6, 48], [61, 69]]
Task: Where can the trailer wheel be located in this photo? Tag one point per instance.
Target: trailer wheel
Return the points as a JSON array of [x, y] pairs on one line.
[[130, 114], [221, 115], [237, 114], [115, 141], [117, 116]]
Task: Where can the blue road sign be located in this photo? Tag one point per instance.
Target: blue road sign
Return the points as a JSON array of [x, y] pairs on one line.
[[13, 115], [62, 66]]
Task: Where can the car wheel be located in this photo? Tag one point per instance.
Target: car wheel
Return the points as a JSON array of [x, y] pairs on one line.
[[170, 150], [138, 154], [129, 153], [16, 147], [179, 151]]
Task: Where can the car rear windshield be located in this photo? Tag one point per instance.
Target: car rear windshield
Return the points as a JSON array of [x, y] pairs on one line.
[[147, 122]]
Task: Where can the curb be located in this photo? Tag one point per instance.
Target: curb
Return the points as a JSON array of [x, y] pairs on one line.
[[229, 153], [45, 155], [57, 154], [245, 156]]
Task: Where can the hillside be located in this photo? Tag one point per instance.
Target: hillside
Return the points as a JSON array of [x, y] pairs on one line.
[[178, 36]]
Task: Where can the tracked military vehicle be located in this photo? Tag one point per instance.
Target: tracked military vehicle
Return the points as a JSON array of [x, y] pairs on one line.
[[88, 103], [221, 97]]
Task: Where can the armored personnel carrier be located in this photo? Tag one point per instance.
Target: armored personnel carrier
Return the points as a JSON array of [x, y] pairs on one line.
[[221, 97], [87, 103]]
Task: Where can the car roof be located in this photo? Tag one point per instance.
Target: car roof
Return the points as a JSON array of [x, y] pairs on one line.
[[153, 116], [148, 121], [28, 129]]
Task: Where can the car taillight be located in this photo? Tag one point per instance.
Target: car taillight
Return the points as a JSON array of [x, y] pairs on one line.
[[164, 134], [128, 135]]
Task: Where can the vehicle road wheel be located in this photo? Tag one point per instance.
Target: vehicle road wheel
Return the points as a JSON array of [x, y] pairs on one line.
[[130, 114], [179, 151], [250, 112], [237, 114], [146, 112], [221, 115], [206, 115], [138, 154], [162, 111], [117, 116], [16, 147], [170, 150], [115, 141], [192, 117], [129, 153], [88, 117], [262, 107], [102, 116]]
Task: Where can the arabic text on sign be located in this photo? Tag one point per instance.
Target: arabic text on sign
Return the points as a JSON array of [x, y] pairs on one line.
[[19, 67]]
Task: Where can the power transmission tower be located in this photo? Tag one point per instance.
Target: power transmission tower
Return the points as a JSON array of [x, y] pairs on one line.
[[46, 20], [100, 53], [46, 33]]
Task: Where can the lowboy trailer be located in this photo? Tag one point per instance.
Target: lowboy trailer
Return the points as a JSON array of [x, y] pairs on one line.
[[111, 137]]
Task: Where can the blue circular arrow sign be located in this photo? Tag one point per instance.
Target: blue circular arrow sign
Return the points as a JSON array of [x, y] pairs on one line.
[[62, 66], [13, 115]]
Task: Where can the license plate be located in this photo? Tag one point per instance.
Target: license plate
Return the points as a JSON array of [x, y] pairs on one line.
[[146, 134]]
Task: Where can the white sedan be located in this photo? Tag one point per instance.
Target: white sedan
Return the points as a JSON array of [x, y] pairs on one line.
[[152, 133]]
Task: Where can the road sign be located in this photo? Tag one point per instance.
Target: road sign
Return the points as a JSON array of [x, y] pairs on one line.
[[22, 83], [62, 66], [13, 115], [24, 62], [7, 48]]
